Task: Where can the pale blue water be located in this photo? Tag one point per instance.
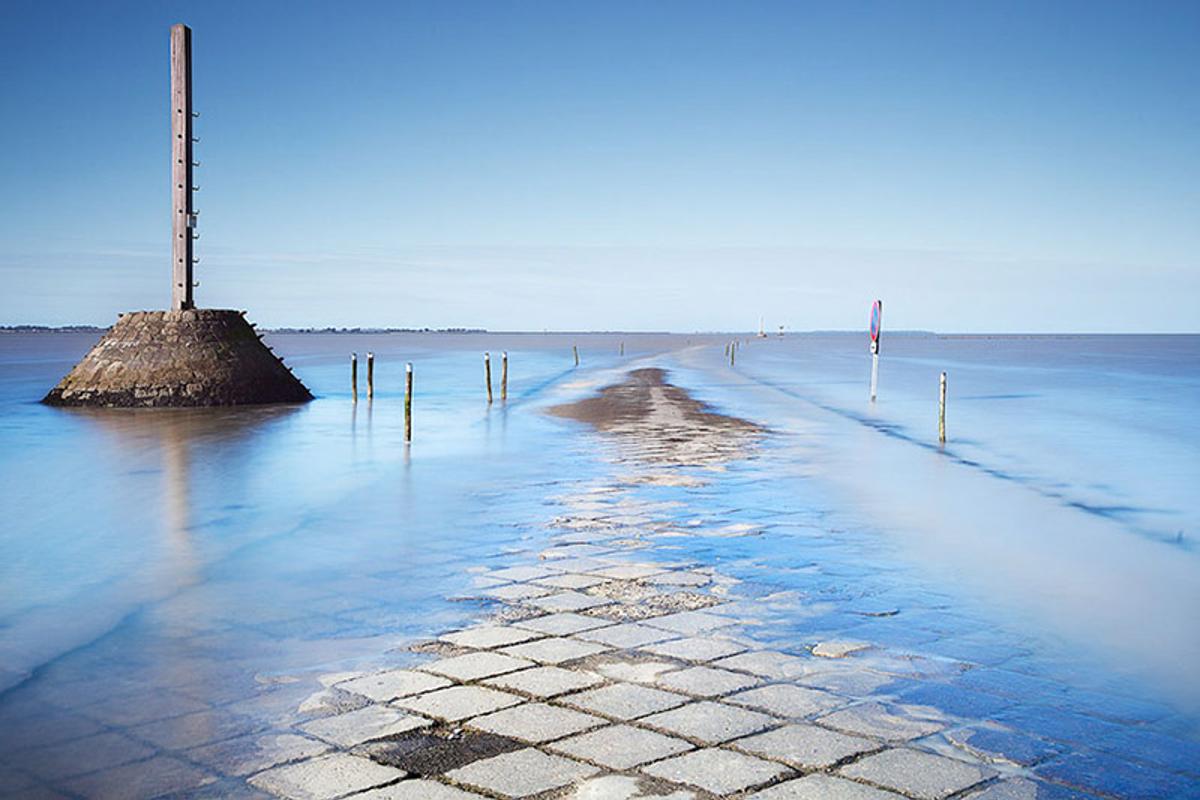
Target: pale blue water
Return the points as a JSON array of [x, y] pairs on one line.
[[199, 552]]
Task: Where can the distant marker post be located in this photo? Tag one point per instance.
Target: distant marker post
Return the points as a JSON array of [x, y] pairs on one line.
[[354, 375], [575, 350], [504, 377], [942, 410], [370, 375], [876, 333], [487, 375], [408, 394]]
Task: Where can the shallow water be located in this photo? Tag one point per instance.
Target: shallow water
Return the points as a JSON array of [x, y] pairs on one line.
[[209, 555]]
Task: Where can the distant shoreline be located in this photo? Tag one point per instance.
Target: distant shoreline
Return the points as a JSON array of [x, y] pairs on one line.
[[380, 331]]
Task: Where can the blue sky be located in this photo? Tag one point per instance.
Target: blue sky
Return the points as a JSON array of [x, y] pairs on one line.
[[981, 166]]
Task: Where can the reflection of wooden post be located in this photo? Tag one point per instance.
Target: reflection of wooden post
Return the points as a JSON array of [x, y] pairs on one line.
[[370, 375], [408, 402], [942, 410], [181, 168], [354, 375], [504, 376], [487, 374]]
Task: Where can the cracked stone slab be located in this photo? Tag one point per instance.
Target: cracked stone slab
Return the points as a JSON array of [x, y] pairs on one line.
[[486, 637], [419, 789], [788, 700], [875, 719], [545, 682], [459, 702], [523, 573], [325, 777], [991, 744], [624, 787], [621, 746], [709, 722], [823, 787], [633, 671], [809, 747], [249, 754], [768, 664], [513, 592], [690, 623], [562, 624], [568, 601], [536, 722], [522, 773], [362, 725], [473, 666], [838, 648], [555, 650], [629, 572], [627, 635], [625, 700], [570, 580], [384, 686], [706, 681], [917, 773], [695, 648], [718, 771]]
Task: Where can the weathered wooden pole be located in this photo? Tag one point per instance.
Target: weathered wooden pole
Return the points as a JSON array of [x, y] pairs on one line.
[[183, 217], [622, 348], [408, 395], [487, 374], [354, 375], [942, 410], [733, 353], [504, 377], [370, 375], [575, 350]]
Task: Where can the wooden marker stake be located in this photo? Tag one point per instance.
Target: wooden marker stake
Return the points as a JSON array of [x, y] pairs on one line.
[[733, 353], [504, 377], [370, 375], [575, 350], [487, 375], [408, 394], [622, 348], [942, 410], [354, 375]]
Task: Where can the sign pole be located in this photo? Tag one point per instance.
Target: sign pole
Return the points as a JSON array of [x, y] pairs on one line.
[[876, 335]]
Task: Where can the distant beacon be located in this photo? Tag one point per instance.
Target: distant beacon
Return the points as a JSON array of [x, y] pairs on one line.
[[186, 356]]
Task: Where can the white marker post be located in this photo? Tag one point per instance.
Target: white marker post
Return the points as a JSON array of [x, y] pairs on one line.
[[942, 410], [876, 331]]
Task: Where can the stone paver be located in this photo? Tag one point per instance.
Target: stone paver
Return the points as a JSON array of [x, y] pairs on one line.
[[629, 572], [78, 756], [710, 723], [622, 787], [809, 747], [562, 624], [625, 700], [522, 573], [555, 650], [570, 580], [364, 724], [822, 787], [768, 663], [473, 666], [521, 773], [695, 648], [875, 719], [325, 777], [787, 700], [718, 771], [459, 702], [545, 682], [917, 773], [568, 601], [384, 686], [691, 623], [634, 671], [248, 754], [513, 592], [626, 635], [536, 722], [838, 648], [417, 790], [705, 681], [621, 746], [486, 637]]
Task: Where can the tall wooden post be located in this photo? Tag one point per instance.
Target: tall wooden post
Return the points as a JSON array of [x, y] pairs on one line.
[[182, 217]]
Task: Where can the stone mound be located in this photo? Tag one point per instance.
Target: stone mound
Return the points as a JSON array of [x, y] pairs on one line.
[[198, 357]]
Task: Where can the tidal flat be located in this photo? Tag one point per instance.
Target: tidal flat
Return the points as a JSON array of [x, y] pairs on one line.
[[651, 575]]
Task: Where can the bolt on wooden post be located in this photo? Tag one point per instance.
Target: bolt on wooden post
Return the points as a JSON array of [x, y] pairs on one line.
[[370, 375], [408, 397], [504, 377], [487, 374], [942, 410], [354, 375], [183, 216]]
